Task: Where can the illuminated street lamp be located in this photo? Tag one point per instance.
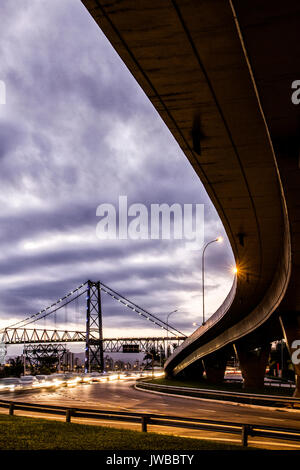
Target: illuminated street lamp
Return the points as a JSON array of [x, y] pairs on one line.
[[218, 240]]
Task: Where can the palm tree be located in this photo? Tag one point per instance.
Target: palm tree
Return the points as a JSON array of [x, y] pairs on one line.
[[16, 366], [151, 356]]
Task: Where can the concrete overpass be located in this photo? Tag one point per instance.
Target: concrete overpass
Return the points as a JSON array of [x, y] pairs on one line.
[[219, 72]]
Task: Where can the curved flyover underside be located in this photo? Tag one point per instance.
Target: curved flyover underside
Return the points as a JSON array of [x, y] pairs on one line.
[[210, 70]]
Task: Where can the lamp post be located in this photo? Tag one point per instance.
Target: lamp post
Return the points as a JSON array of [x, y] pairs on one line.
[[152, 362], [24, 359], [218, 240], [168, 328]]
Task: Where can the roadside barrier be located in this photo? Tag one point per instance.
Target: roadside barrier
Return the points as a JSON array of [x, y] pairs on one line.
[[147, 419], [241, 397]]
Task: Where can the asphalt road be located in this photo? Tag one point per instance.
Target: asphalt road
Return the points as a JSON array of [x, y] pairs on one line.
[[122, 396]]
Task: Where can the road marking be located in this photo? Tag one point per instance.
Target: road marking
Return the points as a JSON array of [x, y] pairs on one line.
[[272, 419], [270, 443], [208, 411]]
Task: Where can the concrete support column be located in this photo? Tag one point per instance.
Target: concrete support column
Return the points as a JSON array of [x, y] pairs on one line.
[[214, 366], [253, 364], [193, 372], [290, 324]]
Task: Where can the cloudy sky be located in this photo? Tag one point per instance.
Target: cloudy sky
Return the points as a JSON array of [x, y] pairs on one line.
[[77, 131]]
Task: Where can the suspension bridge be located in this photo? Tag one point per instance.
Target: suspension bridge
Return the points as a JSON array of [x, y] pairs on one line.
[[27, 333]]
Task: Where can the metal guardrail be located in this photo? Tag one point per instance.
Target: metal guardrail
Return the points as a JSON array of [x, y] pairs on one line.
[[274, 383], [221, 394], [146, 419]]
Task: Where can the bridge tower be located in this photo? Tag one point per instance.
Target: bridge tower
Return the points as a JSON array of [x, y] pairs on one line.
[[94, 333]]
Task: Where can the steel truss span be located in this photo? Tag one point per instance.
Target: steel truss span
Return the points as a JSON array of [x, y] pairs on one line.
[[144, 344], [41, 352], [36, 335], [40, 336]]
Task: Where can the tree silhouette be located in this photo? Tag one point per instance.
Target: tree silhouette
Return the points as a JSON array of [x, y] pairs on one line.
[[151, 357], [16, 367]]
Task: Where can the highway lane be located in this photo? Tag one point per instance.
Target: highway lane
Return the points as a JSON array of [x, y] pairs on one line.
[[122, 396]]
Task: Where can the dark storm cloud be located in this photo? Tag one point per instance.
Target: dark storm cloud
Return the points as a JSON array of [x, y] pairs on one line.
[[77, 131]]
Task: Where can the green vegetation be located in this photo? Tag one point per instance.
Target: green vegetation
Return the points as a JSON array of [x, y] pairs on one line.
[[226, 386], [14, 369], [18, 433]]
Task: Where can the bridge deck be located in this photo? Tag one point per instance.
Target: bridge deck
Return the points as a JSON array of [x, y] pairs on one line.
[[190, 59]]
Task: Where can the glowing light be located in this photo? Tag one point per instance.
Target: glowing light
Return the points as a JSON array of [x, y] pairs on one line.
[[159, 374], [235, 270], [219, 239], [87, 379], [113, 377]]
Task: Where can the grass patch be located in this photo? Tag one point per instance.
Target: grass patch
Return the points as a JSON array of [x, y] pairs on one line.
[[18, 433], [226, 386]]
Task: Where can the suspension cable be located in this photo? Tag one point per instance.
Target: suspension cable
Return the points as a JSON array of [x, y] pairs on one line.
[[107, 290], [141, 311], [33, 318]]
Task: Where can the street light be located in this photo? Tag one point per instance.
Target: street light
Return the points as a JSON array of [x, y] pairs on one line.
[[218, 240], [24, 359]]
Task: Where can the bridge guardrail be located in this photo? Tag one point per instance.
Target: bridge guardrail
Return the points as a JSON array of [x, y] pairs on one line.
[[252, 399], [146, 419]]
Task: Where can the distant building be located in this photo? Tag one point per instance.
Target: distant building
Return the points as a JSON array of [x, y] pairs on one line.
[[77, 362], [68, 361], [108, 363], [119, 365]]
